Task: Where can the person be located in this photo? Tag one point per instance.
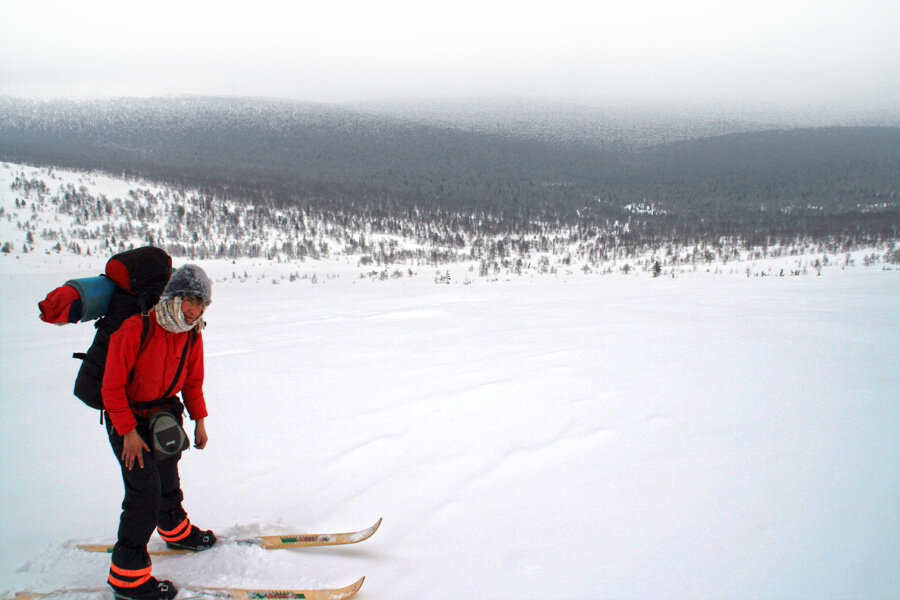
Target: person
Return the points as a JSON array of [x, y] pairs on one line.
[[141, 379]]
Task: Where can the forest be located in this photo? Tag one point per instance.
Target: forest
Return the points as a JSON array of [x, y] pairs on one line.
[[308, 170]]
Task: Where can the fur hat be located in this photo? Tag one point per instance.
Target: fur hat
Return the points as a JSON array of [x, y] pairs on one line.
[[189, 280]]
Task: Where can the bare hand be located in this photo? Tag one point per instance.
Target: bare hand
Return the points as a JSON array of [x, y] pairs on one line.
[[134, 448], [200, 436]]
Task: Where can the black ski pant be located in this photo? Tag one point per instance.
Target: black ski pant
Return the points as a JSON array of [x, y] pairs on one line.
[[153, 499]]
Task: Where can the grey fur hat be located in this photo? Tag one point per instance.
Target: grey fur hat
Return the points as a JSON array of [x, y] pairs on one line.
[[189, 280]]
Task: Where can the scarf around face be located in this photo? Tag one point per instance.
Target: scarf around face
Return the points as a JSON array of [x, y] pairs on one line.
[[171, 318]]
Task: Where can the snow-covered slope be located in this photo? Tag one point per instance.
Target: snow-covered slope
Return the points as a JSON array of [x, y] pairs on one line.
[[709, 435], [58, 213], [609, 437]]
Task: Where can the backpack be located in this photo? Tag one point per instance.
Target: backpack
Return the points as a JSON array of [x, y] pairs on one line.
[[132, 284]]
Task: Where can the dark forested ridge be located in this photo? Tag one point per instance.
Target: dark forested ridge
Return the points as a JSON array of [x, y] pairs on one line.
[[837, 181]]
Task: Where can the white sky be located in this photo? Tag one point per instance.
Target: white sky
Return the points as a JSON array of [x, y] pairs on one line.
[[780, 52]]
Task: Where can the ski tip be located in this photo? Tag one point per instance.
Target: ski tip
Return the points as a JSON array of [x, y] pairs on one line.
[[364, 534], [348, 591]]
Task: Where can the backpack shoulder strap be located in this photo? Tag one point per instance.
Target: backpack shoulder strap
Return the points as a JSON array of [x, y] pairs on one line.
[[145, 331], [187, 349], [145, 335], [166, 397]]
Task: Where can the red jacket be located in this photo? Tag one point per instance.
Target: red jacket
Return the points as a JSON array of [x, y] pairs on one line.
[[153, 373]]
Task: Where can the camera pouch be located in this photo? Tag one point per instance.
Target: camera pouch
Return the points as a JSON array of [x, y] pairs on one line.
[[167, 434]]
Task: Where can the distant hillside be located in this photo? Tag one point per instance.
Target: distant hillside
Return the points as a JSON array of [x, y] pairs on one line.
[[613, 127], [821, 180], [283, 149], [603, 128]]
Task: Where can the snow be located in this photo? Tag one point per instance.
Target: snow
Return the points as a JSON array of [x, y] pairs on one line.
[[703, 437], [711, 435]]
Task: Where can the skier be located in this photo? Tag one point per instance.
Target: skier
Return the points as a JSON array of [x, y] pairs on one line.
[[143, 373]]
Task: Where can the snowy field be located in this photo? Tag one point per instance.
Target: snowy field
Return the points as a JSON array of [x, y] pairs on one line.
[[709, 436]]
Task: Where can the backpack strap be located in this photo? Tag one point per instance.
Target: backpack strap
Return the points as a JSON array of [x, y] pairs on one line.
[[187, 349], [167, 396], [111, 328], [145, 335]]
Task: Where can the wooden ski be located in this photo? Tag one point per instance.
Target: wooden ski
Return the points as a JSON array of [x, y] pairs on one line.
[[267, 542], [189, 592]]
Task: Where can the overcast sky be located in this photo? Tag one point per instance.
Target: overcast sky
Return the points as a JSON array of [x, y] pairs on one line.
[[773, 52]]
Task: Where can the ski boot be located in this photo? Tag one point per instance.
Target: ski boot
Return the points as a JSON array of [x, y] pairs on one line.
[[152, 589], [197, 540]]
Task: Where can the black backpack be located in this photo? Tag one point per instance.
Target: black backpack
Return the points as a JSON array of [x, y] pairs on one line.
[[140, 276]]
